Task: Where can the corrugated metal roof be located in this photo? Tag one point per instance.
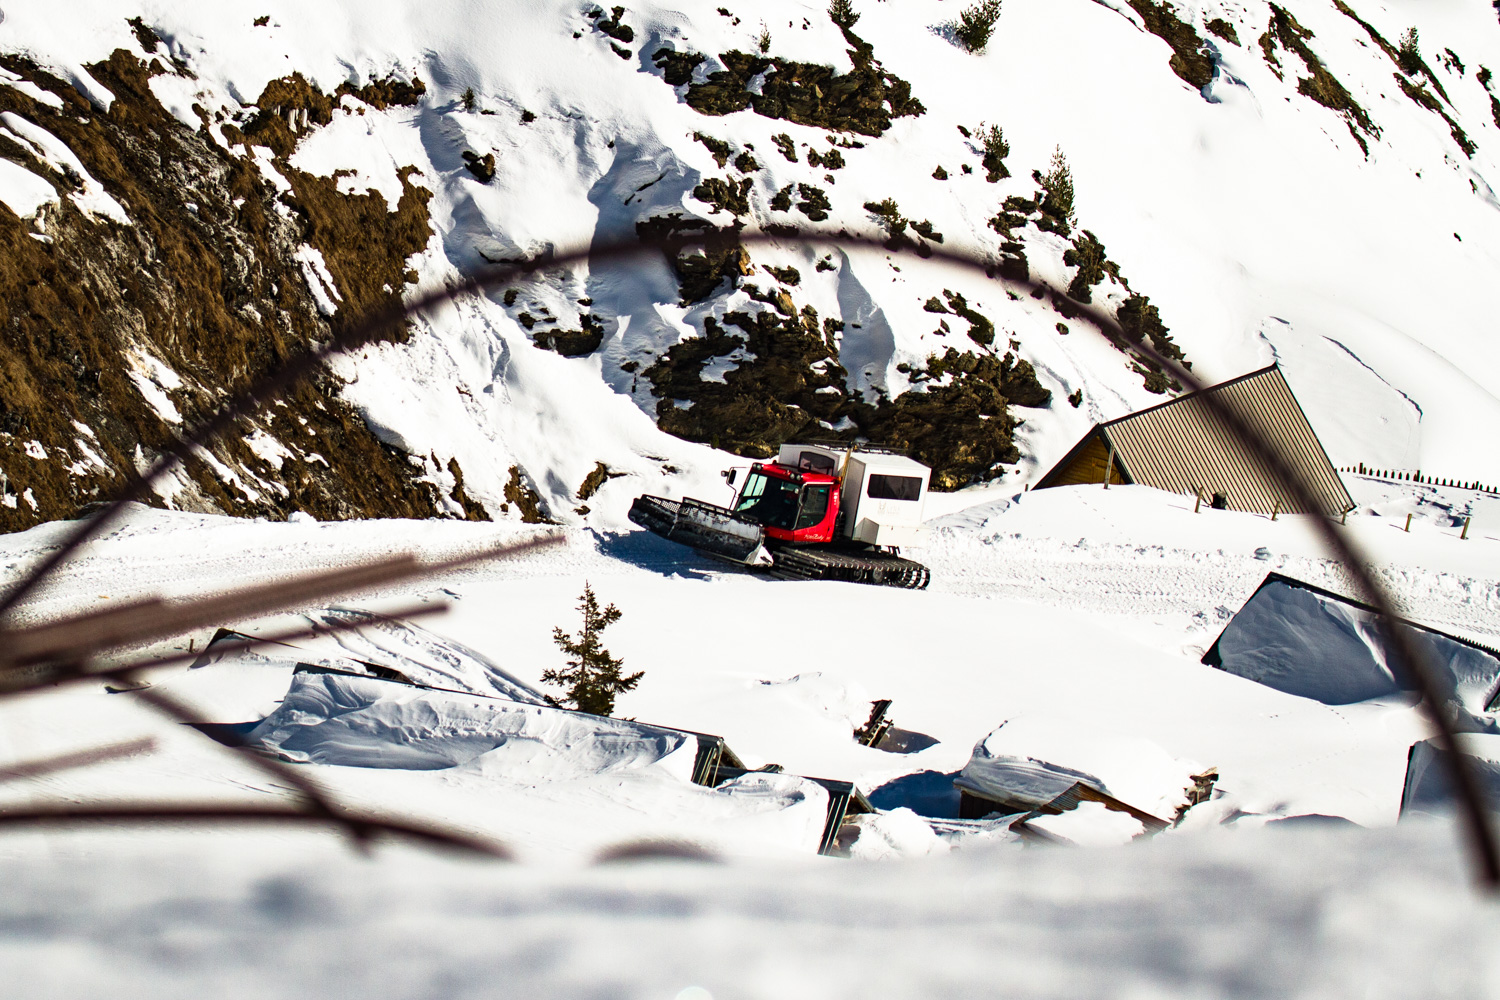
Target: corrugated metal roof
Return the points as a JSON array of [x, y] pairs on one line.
[[1180, 446]]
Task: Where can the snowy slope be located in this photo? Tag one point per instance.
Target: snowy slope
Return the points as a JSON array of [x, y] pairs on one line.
[[1074, 615], [1247, 213]]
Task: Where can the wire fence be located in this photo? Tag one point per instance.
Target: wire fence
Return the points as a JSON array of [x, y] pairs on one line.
[[1419, 477]]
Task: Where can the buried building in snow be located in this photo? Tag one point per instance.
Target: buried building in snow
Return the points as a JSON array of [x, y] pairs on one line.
[[1310, 642], [1180, 446], [1429, 790], [392, 696], [1037, 768]]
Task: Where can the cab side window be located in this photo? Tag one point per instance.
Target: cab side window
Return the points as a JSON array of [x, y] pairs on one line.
[[814, 506]]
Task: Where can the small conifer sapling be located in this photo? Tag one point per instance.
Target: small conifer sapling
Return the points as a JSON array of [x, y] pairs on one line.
[[1086, 254], [888, 213], [592, 678]]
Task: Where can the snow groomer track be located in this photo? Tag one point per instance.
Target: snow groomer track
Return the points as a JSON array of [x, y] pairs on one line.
[[874, 568]]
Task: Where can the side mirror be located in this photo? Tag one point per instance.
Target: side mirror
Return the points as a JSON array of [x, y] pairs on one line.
[[729, 475]]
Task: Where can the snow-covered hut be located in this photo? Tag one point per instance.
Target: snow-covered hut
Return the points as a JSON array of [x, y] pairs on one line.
[[1307, 641], [1180, 446], [1429, 787], [844, 799], [1085, 816], [1030, 765]]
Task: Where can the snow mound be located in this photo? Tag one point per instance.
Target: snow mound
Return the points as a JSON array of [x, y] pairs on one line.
[[895, 834], [423, 657], [1089, 824], [784, 808], [331, 718]]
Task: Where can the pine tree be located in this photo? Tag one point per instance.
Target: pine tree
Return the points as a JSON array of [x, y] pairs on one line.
[[976, 23], [592, 677], [889, 214], [841, 13], [1409, 53], [996, 149], [1058, 183], [1086, 254]]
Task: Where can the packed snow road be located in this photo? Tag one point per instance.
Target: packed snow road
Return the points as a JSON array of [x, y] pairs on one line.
[[1131, 553]]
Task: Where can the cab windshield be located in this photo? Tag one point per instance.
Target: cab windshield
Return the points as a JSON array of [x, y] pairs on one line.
[[768, 501]]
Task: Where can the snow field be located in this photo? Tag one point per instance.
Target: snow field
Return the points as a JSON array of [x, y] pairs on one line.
[[1297, 912], [1081, 640]]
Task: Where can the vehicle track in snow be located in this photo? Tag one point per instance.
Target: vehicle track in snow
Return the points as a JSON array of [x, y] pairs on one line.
[[1142, 580], [178, 554]]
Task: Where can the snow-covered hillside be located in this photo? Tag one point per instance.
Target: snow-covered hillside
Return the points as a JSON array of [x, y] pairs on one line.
[[1297, 200]]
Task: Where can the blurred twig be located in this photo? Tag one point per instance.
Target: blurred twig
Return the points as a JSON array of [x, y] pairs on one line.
[[78, 758], [63, 649], [169, 813]]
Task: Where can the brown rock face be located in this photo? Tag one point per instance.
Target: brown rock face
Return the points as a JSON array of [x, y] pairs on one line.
[[197, 296]]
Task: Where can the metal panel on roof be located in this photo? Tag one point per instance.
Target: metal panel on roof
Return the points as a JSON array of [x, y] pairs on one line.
[[1181, 446]]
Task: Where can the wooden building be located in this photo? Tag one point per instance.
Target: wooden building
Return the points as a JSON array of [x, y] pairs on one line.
[[1180, 446]]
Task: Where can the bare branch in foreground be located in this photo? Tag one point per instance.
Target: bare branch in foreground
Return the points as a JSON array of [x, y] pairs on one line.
[[146, 813], [78, 758]]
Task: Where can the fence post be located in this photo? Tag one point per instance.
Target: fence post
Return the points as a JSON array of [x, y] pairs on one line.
[[1198, 502], [1275, 509], [1408, 523], [1465, 535]]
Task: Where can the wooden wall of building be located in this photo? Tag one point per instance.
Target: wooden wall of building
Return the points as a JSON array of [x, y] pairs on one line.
[[1086, 465]]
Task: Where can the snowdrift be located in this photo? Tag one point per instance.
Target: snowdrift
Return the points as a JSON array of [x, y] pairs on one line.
[[609, 779], [1312, 643], [423, 657], [249, 684], [342, 719]]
